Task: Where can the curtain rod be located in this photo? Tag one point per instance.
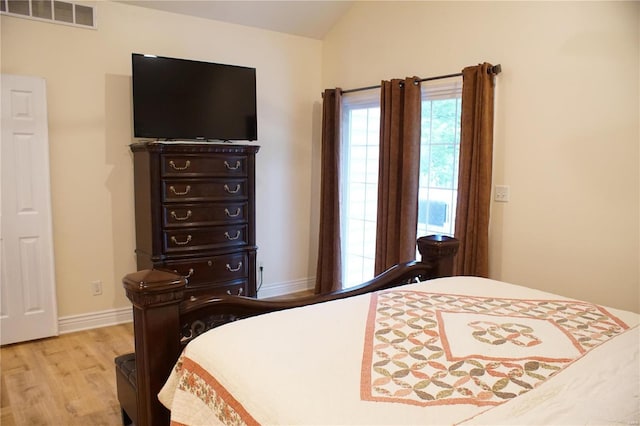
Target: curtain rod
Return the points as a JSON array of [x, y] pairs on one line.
[[495, 69]]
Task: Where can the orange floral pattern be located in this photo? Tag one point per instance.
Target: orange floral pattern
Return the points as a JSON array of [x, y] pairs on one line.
[[199, 383], [413, 353]]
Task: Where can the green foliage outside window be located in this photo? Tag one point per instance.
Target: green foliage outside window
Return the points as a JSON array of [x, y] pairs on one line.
[[440, 139]]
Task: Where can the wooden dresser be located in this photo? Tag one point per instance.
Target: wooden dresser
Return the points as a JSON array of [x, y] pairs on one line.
[[195, 214]]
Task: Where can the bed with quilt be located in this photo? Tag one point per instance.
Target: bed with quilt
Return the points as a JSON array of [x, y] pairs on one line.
[[441, 351], [458, 350]]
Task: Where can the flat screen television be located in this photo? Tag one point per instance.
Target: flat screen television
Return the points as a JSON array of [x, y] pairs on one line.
[[179, 99]]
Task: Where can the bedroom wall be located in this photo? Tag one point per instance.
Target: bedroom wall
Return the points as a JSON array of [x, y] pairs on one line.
[[567, 126], [88, 76]]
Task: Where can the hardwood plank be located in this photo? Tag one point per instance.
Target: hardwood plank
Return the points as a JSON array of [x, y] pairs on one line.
[[6, 416], [64, 380], [290, 296]]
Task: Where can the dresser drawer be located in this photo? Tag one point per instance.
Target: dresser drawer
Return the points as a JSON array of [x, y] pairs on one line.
[[187, 215], [186, 190], [212, 270], [203, 165], [198, 239], [240, 288]]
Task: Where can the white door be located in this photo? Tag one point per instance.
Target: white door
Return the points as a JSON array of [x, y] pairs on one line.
[[28, 307]]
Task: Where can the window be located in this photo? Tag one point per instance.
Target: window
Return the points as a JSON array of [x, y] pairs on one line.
[[361, 141], [439, 152]]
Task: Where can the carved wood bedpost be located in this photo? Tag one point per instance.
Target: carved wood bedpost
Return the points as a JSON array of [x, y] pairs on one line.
[[438, 251], [156, 296]]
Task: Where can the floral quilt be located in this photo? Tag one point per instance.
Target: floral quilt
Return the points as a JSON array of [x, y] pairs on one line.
[[459, 350], [428, 349]]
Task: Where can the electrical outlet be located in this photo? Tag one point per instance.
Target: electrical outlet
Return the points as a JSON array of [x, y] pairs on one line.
[[96, 288], [501, 193]]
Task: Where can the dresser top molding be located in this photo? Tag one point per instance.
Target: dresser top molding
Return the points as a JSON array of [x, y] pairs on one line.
[[194, 147]]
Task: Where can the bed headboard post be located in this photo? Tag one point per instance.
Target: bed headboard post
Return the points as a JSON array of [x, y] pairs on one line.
[[438, 251], [156, 296]]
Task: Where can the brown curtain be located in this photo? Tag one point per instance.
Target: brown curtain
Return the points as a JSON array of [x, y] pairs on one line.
[[329, 270], [399, 171], [474, 176]]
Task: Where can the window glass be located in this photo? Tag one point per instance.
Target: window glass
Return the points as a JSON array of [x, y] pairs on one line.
[[439, 152], [360, 153], [438, 183]]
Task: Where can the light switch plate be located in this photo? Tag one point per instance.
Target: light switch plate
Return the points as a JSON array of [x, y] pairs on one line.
[[501, 193]]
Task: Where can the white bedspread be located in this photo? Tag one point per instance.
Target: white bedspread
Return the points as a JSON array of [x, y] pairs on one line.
[[458, 350]]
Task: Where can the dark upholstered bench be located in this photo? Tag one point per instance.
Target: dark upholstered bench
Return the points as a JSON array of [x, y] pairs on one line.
[[126, 384]]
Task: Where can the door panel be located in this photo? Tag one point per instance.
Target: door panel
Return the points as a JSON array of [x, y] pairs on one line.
[[28, 307]]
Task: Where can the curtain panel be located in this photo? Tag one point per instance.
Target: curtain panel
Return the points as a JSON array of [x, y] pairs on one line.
[[474, 175], [399, 170], [329, 268]]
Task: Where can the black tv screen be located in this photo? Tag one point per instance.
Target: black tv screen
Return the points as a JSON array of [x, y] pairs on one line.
[[179, 99]]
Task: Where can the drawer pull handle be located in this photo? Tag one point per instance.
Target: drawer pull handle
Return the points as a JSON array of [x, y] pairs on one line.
[[229, 237], [185, 192], [230, 167], [181, 243], [231, 191], [239, 292], [236, 269], [229, 214], [185, 167], [185, 217], [191, 271]]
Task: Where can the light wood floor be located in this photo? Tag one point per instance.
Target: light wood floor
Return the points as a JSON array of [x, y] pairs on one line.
[[66, 380]]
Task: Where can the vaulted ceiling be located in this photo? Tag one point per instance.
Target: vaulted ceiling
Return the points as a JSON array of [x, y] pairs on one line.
[[304, 18]]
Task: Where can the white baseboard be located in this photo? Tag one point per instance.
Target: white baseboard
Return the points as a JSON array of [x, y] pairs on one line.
[[94, 320], [287, 287], [99, 319]]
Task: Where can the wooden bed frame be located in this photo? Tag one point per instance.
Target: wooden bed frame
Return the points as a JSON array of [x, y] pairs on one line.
[[164, 322]]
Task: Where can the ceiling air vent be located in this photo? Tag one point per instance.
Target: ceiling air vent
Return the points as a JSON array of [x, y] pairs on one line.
[[61, 12]]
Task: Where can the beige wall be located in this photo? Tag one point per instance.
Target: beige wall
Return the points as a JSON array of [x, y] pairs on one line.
[[88, 76], [566, 130]]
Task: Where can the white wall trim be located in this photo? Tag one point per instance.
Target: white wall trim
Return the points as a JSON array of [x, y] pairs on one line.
[[73, 323], [91, 320], [286, 287]]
